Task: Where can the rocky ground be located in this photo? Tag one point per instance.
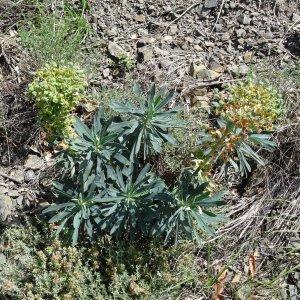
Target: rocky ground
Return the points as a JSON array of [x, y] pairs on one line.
[[213, 41]]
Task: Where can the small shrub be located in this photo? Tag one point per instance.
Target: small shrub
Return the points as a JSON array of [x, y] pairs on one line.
[[57, 91], [120, 205], [78, 211], [148, 124], [251, 106], [146, 270], [111, 191], [129, 207], [187, 213], [124, 61], [34, 268], [232, 146], [55, 37]]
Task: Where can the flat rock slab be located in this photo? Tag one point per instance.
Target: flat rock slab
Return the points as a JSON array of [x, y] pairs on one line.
[[34, 162], [211, 3]]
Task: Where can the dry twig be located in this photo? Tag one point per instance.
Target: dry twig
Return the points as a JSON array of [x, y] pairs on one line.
[[184, 13], [10, 178], [219, 14]]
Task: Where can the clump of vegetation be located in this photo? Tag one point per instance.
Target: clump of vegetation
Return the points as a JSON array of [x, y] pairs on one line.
[[251, 106], [232, 146], [56, 36], [35, 268], [57, 91], [124, 61], [148, 124], [111, 190], [146, 270], [243, 123]]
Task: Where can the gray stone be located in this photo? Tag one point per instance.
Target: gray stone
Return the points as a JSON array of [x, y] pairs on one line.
[[144, 54], [203, 73], [240, 32], [115, 50], [239, 70], [18, 175], [106, 72], [295, 18], [19, 200], [29, 176], [196, 68], [219, 28], [211, 3], [167, 38], [13, 193], [266, 35], [225, 37], [3, 189], [6, 206], [215, 65], [140, 18], [241, 41], [232, 4], [34, 162], [209, 44], [244, 19], [212, 75], [173, 29]]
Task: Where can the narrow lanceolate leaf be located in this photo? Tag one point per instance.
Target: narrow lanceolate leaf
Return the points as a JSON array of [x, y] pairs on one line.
[[61, 226], [82, 129], [215, 200], [137, 145], [151, 92], [87, 168], [97, 126], [59, 216], [168, 138], [77, 219], [263, 140], [56, 207], [75, 236], [165, 101], [137, 89], [207, 229], [142, 174]]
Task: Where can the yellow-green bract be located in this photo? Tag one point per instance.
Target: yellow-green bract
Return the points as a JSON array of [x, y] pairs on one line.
[[57, 91]]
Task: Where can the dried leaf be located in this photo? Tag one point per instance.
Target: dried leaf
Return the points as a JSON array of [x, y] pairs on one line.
[[252, 265], [219, 286], [236, 278], [135, 289]]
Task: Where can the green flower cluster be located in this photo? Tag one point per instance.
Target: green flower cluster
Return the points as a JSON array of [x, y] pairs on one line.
[[251, 106], [57, 91]]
